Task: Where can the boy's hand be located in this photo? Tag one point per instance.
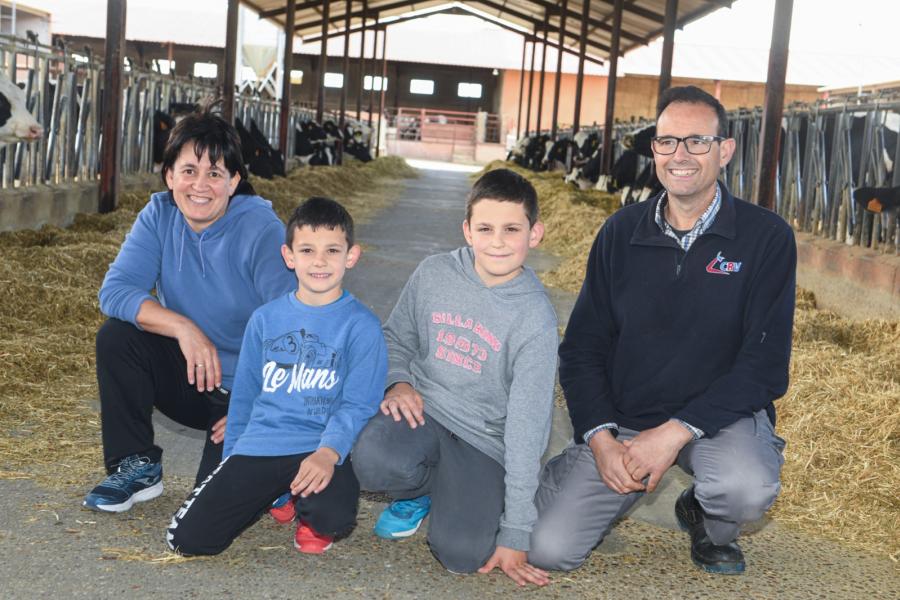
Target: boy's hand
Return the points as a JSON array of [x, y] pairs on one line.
[[403, 400], [316, 471], [515, 564]]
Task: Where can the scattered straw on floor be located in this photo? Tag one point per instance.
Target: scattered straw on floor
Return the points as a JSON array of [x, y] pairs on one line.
[[49, 426], [841, 415]]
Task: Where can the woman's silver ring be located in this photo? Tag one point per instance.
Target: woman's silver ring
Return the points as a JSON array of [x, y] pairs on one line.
[[199, 365]]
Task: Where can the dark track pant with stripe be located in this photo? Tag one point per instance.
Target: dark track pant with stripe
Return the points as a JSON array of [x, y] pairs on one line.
[[241, 490]]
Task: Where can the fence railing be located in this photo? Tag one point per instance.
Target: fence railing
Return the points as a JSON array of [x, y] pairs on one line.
[[441, 126], [829, 149], [63, 91]]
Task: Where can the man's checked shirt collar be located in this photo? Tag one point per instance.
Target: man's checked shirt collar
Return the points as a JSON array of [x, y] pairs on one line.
[[702, 224]]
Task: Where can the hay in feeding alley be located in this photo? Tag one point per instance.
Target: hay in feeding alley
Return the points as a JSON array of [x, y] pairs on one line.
[[840, 416], [49, 427]]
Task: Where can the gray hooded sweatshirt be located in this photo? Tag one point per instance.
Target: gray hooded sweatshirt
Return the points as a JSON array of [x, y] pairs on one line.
[[484, 361]]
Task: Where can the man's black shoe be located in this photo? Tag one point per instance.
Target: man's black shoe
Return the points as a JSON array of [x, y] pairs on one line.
[[724, 560]]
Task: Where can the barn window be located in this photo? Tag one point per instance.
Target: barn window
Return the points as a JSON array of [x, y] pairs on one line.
[[208, 70], [296, 76], [367, 83], [165, 67], [334, 80], [468, 90], [421, 86]]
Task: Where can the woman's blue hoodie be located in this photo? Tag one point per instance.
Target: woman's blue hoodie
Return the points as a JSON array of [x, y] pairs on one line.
[[216, 278]]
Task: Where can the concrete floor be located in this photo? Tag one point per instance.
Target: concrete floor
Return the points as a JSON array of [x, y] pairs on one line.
[[52, 547]]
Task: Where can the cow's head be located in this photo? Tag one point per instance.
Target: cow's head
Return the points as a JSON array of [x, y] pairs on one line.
[[16, 123]]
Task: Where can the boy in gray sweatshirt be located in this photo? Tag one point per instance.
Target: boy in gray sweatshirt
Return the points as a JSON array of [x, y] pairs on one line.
[[466, 414]]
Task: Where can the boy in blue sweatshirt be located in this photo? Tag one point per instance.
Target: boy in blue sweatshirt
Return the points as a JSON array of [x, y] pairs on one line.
[[311, 372]]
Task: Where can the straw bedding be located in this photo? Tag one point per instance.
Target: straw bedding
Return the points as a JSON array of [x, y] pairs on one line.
[[840, 416], [49, 426]]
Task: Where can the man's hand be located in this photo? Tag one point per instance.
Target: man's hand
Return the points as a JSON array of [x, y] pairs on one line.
[[403, 401], [653, 451], [316, 471], [202, 359], [515, 564], [218, 431], [609, 455]]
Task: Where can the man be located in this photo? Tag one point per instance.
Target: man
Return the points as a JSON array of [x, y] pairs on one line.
[[677, 346]]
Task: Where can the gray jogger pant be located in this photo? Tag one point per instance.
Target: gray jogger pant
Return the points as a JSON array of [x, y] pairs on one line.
[[736, 479], [466, 486]]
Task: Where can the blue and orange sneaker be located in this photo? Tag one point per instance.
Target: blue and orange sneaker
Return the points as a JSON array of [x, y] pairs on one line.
[[402, 518], [137, 479], [283, 510]]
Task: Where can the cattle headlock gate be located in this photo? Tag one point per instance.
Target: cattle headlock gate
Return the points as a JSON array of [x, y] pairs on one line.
[[63, 91], [829, 149]]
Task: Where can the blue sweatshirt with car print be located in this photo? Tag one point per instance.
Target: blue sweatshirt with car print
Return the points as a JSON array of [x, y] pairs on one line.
[[307, 377]]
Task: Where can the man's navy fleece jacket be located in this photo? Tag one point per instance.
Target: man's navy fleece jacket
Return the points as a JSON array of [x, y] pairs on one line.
[[703, 336]]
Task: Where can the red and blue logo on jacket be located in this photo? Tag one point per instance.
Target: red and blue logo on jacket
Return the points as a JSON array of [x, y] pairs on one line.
[[720, 266]]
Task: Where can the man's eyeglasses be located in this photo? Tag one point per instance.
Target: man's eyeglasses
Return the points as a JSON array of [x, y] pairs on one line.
[[694, 144]]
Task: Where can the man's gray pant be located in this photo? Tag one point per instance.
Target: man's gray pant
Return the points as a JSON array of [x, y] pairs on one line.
[[736, 480], [466, 485]]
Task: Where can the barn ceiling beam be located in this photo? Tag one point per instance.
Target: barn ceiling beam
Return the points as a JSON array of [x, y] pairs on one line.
[[356, 14], [532, 21], [498, 22], [277, 12], [681, 22], [602, 23]]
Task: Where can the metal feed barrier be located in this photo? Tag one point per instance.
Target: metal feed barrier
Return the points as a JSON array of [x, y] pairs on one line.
[[829, 149], [63, 90]]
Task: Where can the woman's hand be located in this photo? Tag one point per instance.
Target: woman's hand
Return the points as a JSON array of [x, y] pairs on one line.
[[201, 356], [218, 430]]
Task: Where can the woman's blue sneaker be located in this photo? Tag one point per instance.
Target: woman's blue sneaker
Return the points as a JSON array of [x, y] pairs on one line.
[[402, 518], [136, 480]]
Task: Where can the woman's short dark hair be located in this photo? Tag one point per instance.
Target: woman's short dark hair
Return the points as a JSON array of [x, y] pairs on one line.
[[691, 94], [211, 133]]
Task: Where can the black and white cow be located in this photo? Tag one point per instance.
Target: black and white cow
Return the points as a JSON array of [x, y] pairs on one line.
[[311, 144], [632, 173], [16, 123], [260, 158], [561, 155]]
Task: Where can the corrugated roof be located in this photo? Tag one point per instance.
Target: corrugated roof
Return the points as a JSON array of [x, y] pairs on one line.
[[642, 20]]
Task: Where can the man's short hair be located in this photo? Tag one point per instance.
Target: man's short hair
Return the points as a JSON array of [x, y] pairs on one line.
[[320, 212], [209, 132], [505, 186], [691, 94]]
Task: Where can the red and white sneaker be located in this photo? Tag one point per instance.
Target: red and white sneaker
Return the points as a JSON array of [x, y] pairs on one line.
[[283, 509], [309, 542]]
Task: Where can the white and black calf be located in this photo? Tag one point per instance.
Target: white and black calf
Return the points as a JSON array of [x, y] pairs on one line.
[[16, 123]]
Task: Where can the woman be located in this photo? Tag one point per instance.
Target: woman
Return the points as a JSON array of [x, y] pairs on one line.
[[211, 249]]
